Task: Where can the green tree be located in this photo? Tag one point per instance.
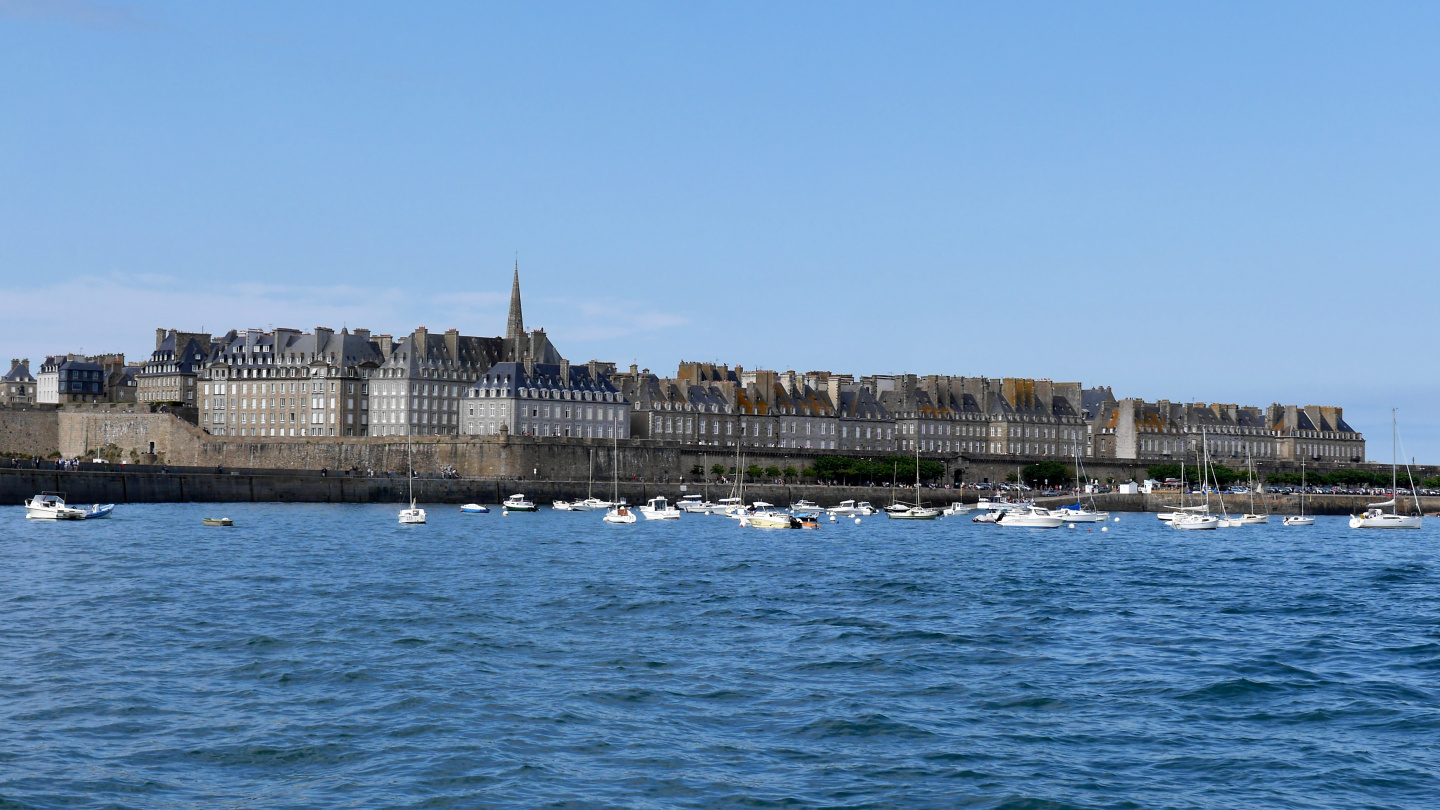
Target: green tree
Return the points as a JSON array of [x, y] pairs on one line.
[[1052, 472], [717, 470], [791, 473], [772, 471], [697, 470], [1160, 472], [754, 471]]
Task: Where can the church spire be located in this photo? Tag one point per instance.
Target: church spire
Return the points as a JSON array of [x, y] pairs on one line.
[[515, 326]]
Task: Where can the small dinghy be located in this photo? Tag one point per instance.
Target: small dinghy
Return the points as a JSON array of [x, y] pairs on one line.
[[99, 510], [474, 509], [217, 521]]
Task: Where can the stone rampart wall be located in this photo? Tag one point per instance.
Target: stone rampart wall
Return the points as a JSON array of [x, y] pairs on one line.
[[83, 432], [29, 432]]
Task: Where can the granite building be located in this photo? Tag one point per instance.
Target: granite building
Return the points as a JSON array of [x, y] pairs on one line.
[[545, 399], [288, 383], [173, 370], [17, 387]]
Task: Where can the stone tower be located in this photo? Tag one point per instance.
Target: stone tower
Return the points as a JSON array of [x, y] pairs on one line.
[[515, 326]]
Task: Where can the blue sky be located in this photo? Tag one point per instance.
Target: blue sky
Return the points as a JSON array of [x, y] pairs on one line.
[[1217, 202]]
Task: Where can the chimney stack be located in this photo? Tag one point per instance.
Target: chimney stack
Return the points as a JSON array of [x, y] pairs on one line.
[[452, 344], [159, 337], [564, 373]]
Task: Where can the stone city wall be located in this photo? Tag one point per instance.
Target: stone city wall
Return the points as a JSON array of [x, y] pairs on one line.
[[29, 432], [162, 438]]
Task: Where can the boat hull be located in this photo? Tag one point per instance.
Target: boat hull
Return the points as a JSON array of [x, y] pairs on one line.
[[1299, 520], [1386, 522], [1193, 523], [1083, 516]]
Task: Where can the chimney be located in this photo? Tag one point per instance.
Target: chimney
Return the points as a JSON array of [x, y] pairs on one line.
[[322, 337], [452, 344], [634, 369], [363, 334], [387, 345], [529, 366], [564, 373], [420, 350], [159, 337]]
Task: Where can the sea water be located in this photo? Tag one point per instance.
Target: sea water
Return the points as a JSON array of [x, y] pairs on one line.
[[325, 656]]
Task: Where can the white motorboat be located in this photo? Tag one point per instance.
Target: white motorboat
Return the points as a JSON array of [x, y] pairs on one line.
[[1033, 518], [1250, 519], [474, 509], [852, 509], [991, 516], [771, 519], [589, 505], [659, 509], [414, 514], [51, 506], [1375, 516], [517, 503], [744, 512], [956, 508], [804, 507], [561, 506], [998, 504], [694, 504]]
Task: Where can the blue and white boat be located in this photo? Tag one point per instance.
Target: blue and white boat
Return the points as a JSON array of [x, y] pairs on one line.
[[99, 510], [474, 509]]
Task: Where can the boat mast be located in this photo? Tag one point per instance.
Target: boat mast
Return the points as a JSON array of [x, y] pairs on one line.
[[1394, 460]]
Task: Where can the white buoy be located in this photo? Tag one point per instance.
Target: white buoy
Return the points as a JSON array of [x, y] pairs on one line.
[[832, 518], [1117, 520], [1072, 525], [1104, 528], [857, 521], [744, 523], [504, 513]]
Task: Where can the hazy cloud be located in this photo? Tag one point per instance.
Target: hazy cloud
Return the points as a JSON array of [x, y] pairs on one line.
[[84, 13]]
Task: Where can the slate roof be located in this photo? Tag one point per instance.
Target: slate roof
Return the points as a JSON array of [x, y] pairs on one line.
[[509, 378], [19, 372]]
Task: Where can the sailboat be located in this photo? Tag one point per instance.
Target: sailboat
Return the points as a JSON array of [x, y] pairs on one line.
[[1078, 513], [1192, 520], [1301, 519], [591, 503], [915, 511], [414, 514], [1375, 516], [619, 513], [1252, 517]]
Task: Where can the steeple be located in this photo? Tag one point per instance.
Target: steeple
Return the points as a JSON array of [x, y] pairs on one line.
[[515, 326]]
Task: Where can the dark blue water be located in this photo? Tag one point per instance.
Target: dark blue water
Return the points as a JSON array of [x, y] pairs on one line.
[[323, 656]]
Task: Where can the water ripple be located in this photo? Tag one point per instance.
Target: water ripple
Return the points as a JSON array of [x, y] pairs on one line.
[[323, 656]]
